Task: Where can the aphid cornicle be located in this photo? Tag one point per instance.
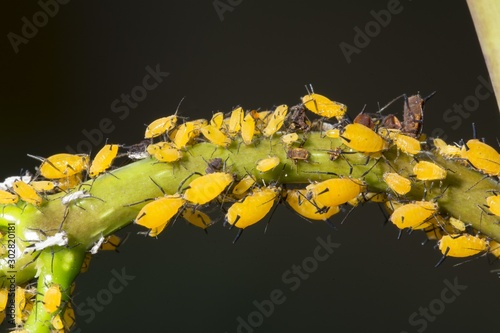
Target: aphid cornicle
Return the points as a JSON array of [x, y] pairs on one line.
[[62, 165], [52, 298], [207, 187], [397, 183], [334, 191], [276, 120], [482, 156], [27, 193], [309, 208], [323, 106], [414, 215], [160, 126], [425, 170], [103, 160], [160, 211], [267, 164]]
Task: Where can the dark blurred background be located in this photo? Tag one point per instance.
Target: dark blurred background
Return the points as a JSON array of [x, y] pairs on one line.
[[64, 79]]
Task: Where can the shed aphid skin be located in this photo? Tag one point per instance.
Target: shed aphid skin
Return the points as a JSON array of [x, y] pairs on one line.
[[103, 160], [248, 128], [297, 154], [62, 165], [58, 239], [414, 215], [164, 152], [289, 139], [77, 195], [27, 193], [276, 121], [251, 209], [397, 183], [445, 150], [362, 139], [207, 187], [97, 245], [334, 191], [267, 164], [296, 199], [52, 298], [425, 170], [482, 157], [461, 246], [159, 213], [323, 106], [215, 136]]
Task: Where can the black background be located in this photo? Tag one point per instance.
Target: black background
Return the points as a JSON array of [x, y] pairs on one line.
[[261, 54]]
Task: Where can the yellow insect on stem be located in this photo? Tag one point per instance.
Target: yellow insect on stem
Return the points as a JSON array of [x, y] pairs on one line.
[[415, 215], [276, 120], [425, 170], [208, 187], [323, 106], [309, 209], [160, 126], [334, 192], [397, 183], [462, 245], [159, 212], [27, 193], [52, 298], [103, 160]]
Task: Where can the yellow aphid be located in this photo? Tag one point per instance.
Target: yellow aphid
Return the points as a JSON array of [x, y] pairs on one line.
[[482, 156], [405, 143], [217, 120], [69, 316], [19, 304], [415, 215], [52, 298], [493, 203], [57, 322], [70, 182], [4, 296], [309, 208], [362, 139], [160, 126], [103, 160], [276, 120], [7, 198], [334, 191], [457, 224], [43, 185], [323, 106], [235, 121], [86, 262], [425, 170], [494, 248], [188, 131], [164, 152], [253, 208], [197, 218], [160, 211], [462, 245], [290, 138], [27, 193], [208, 187], [215, 136], [267, 164], [447, 151], [242, 187], [248, 128], [397, 183], [63, 165], [261, 119], [333, 133]]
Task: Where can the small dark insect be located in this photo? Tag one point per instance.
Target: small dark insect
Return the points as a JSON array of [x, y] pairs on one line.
[[413, 114], [364, 119], [214, 165], [335, 153], [391, 122], [297, 120], [297, 154]]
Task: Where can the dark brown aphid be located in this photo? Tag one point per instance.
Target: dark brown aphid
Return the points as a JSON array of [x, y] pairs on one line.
[[364, 119], [297, 154], [413, 115], [214, 165], [297, 120], [391, 122]]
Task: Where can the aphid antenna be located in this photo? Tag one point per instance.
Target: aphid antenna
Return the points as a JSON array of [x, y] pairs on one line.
[[347, 215], [390, 102]]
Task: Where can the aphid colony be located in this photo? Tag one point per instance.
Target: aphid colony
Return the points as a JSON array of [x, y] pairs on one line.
[[246, 199]]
